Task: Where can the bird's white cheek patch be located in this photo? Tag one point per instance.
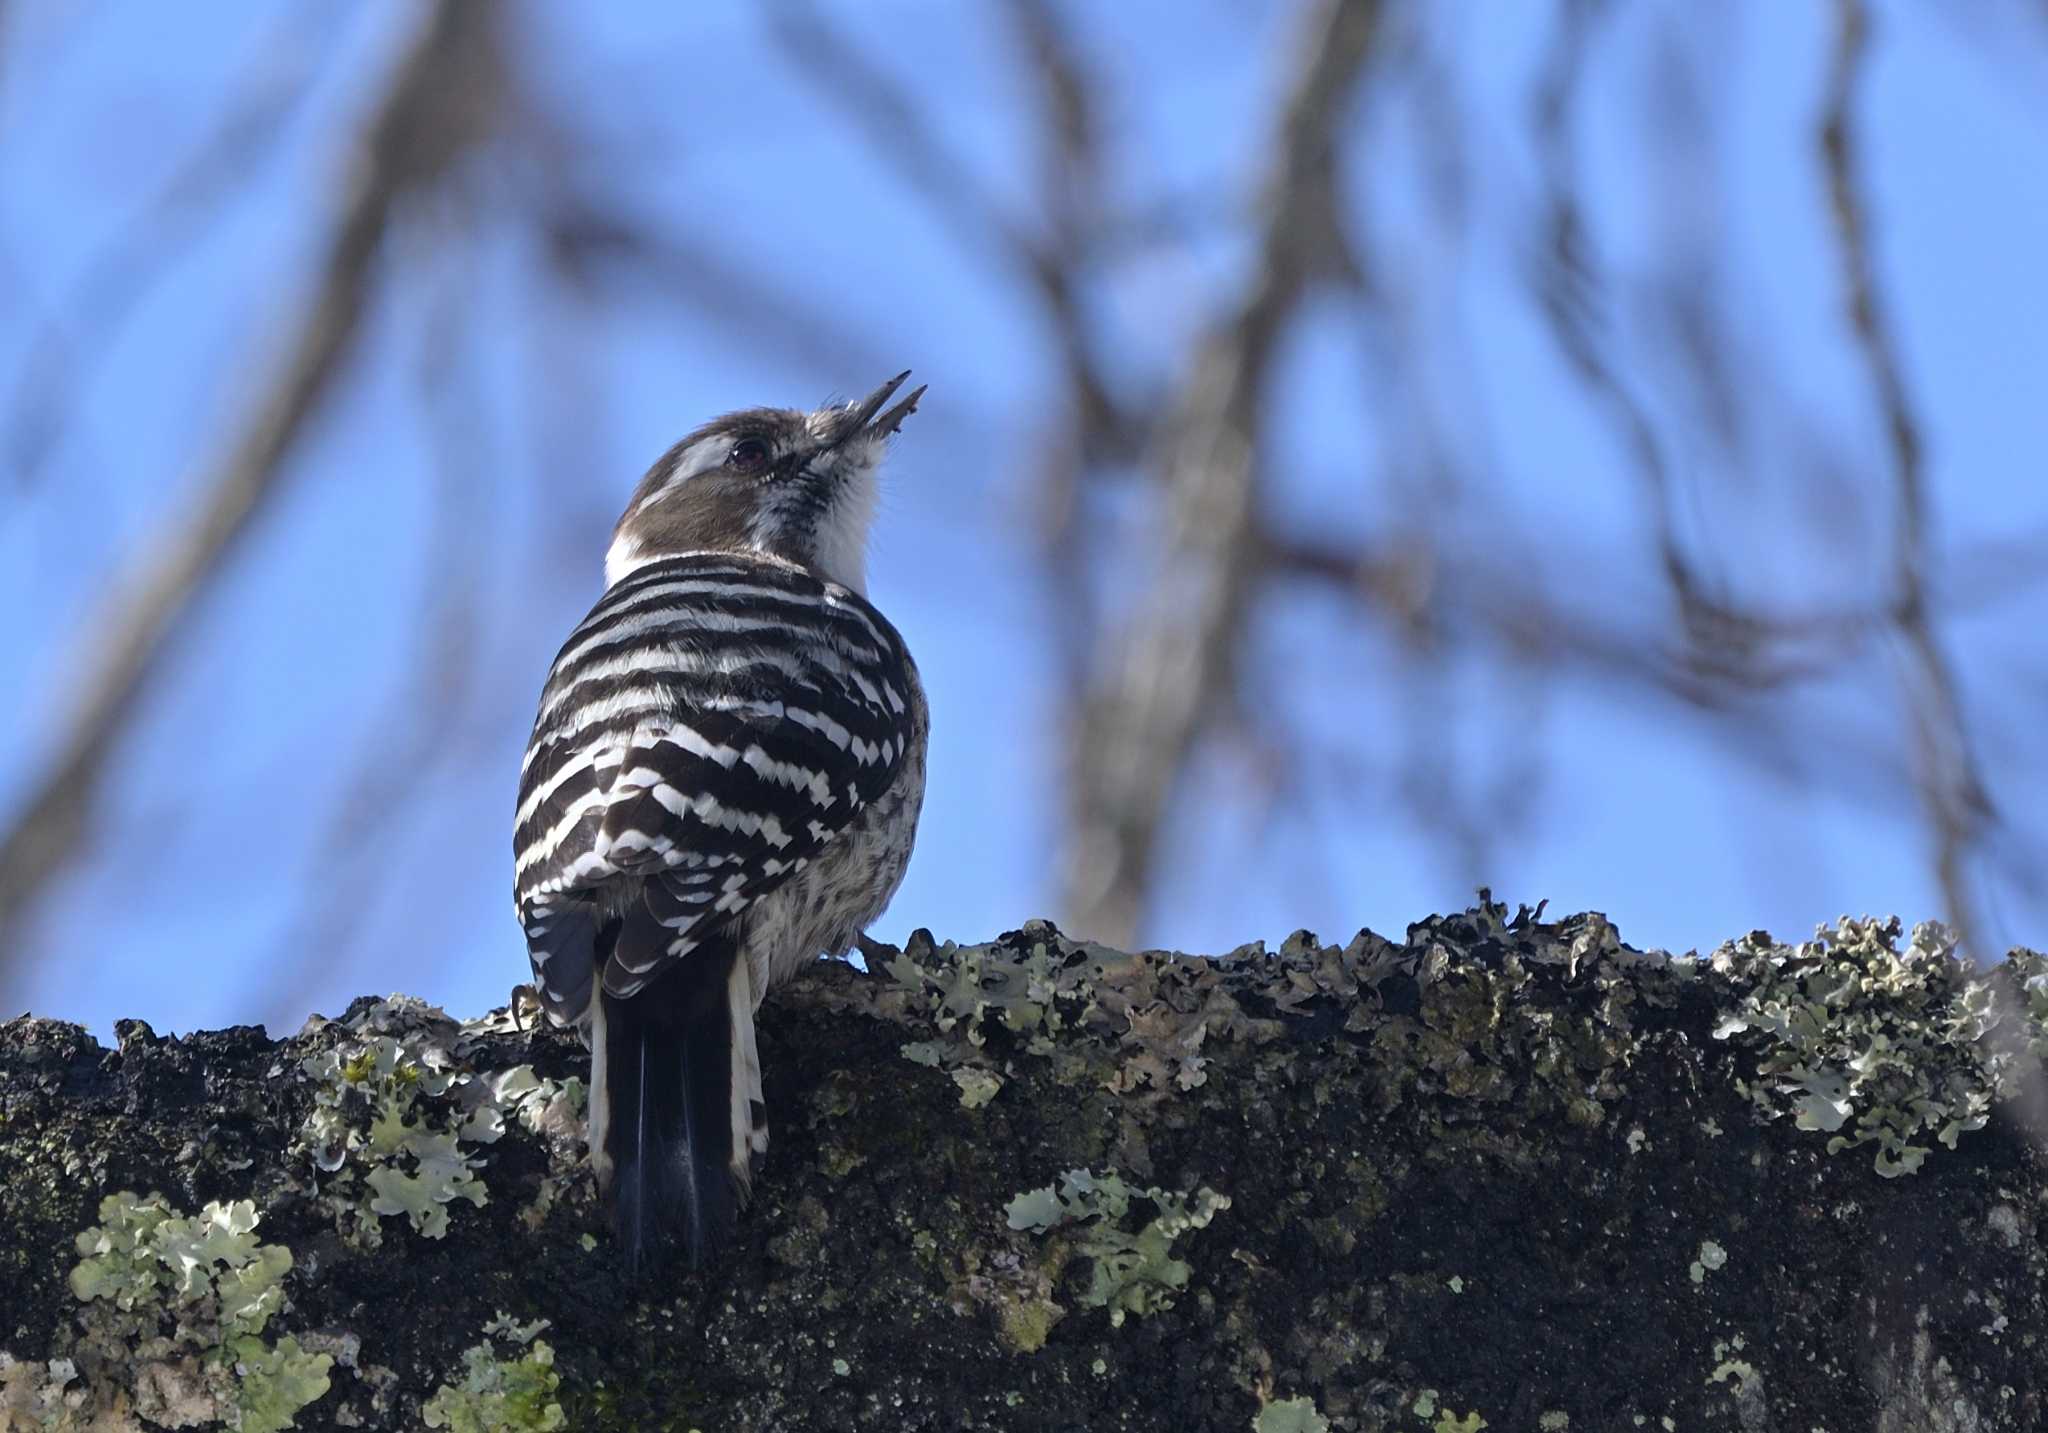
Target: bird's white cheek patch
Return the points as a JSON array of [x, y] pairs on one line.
[[700, 457], [621, 558]]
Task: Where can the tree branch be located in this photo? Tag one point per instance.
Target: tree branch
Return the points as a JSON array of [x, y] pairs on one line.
[[443, 99], [1958, 807], [189, 202], [1162, 674]]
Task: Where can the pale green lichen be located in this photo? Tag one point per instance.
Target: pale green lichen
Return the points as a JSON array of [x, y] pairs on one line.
[[398, 1117], [1133, 1273], [407, 1151], [1877, 1044], [1711, 1257], [978, 1083], [1142, 1025], [1290, 1415], [35, 1394], [176, 1311], [1092, 1011], [512, 1390], [960, 989], [1017, 1291], [1740, 1374], [1743, 1382], [541, 1106], [977, 1087], [277, 1380], [1442, 1420], [964, 986]]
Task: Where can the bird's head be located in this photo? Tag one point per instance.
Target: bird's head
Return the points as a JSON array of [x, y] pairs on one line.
[[798, 486]]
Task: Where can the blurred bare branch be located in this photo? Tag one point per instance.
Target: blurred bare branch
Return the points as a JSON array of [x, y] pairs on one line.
[[891, 120], [1082, 229], [1471, 606], [190, 201], [443, 100], [1161, 676], [1574, 295], [592, 245], [1958, 807], [1091, 429], [418, 727], [1690, 295]]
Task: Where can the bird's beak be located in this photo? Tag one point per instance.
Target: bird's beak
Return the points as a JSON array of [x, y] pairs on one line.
[[869, 417]]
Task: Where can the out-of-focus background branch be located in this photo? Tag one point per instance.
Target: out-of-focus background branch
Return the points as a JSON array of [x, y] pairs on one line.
[[1172, 660], [1958, 807], [443, 98], [1374, 448]]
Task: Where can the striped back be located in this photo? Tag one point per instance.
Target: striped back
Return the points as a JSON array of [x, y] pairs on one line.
[[709, 728]]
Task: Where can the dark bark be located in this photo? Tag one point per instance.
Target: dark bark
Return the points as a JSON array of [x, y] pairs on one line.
[[1505, 1168]]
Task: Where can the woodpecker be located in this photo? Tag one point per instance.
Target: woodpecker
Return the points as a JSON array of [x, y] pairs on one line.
[[723, 783]]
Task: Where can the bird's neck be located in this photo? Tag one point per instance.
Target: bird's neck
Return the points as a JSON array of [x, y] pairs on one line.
[[628, 555]]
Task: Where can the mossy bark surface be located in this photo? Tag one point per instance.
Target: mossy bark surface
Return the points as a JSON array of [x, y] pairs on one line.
[[1504, 1173]]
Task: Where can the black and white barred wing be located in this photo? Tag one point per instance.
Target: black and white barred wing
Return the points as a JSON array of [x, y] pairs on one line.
[[707, 730]]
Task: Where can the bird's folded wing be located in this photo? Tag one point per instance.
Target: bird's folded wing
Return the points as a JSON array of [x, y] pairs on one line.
[[705, 748]]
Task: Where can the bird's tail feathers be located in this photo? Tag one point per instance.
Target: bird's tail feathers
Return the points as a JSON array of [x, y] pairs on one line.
[[749, 1113], [673, 1072]]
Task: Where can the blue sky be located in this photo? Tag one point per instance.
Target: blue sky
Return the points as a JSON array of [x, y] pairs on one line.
[[213, 892]]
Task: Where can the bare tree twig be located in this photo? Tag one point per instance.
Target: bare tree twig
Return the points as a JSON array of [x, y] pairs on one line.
[[1570, 289], [443, 99], [418, 726], [590, 243], [1079, 209], [897, 131], [894, 125], [1161, 676], [1090, 429], [1690, 297], [1440, 454], [1472, 611], [1957, 805], [1955, 802], [1082, 230], [178, 214]]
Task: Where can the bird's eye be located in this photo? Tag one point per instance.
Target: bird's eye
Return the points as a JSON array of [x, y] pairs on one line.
[[748, 455]]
